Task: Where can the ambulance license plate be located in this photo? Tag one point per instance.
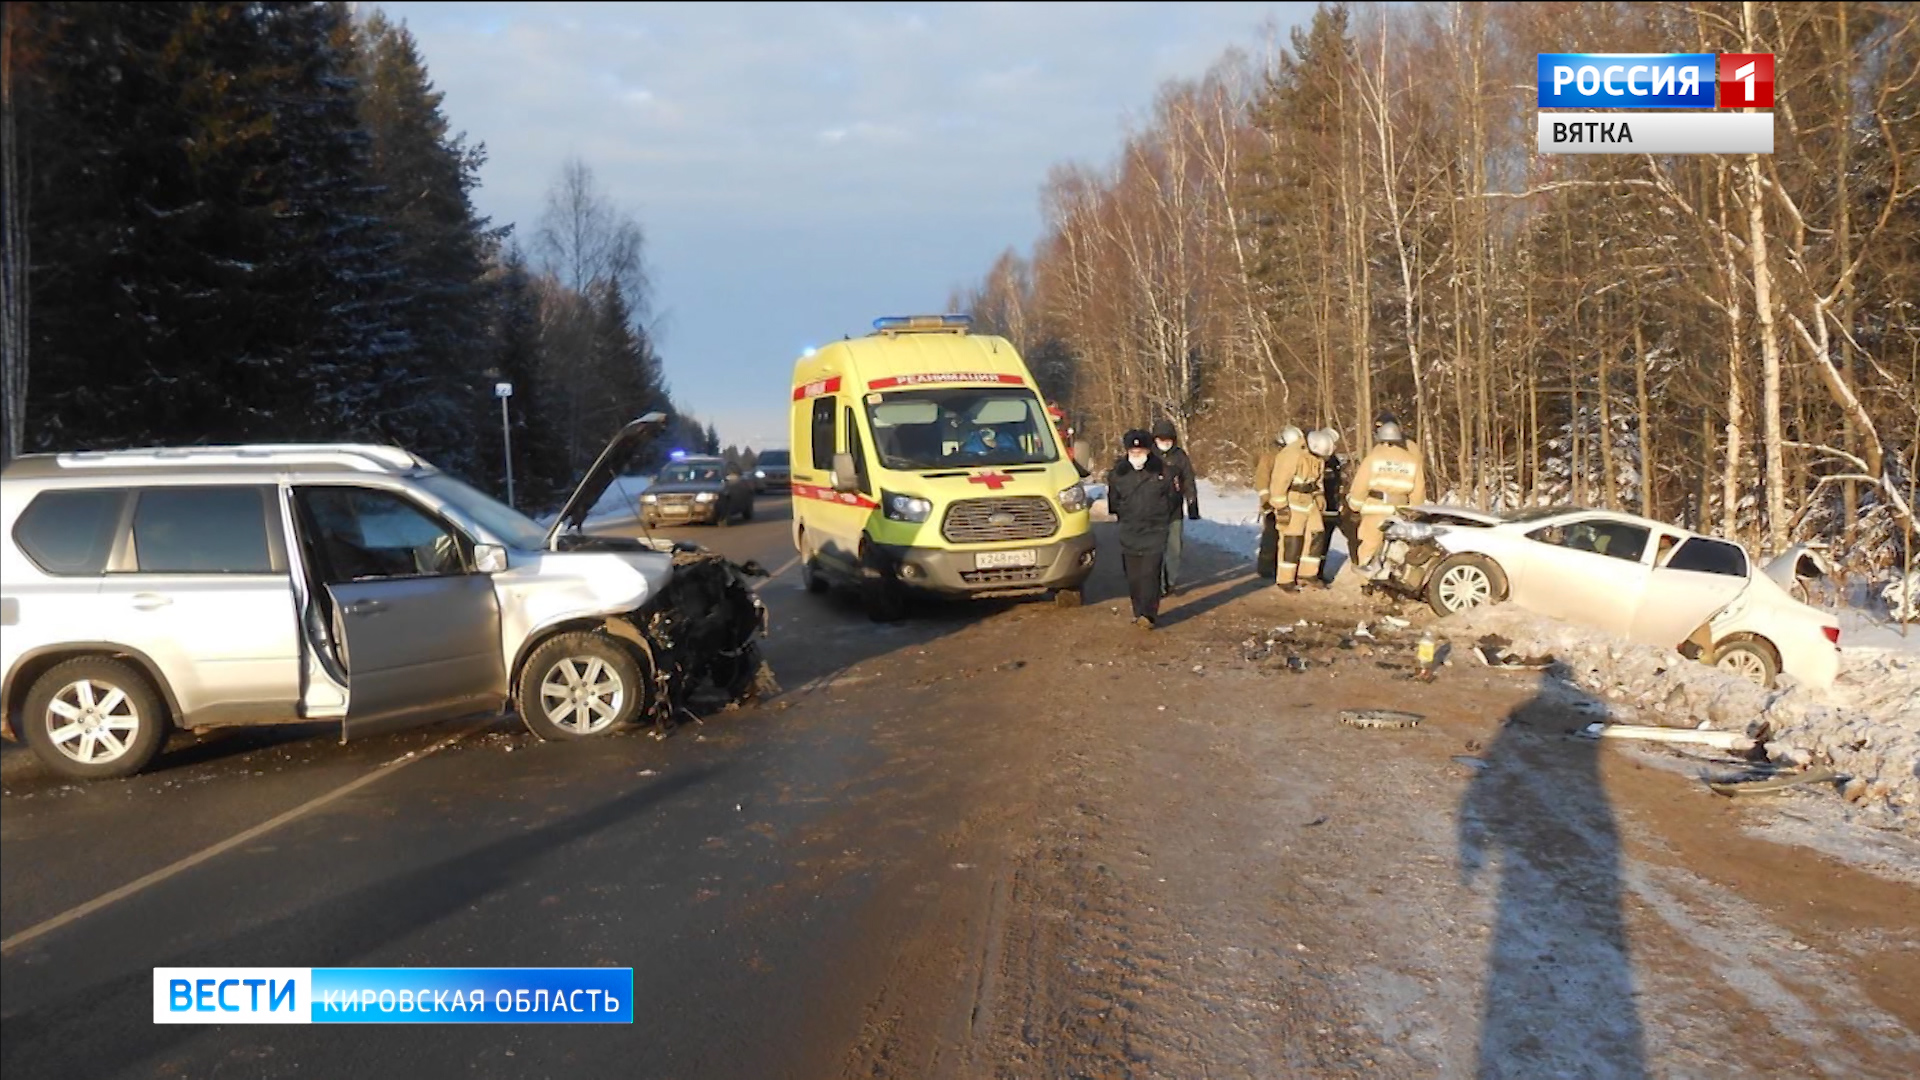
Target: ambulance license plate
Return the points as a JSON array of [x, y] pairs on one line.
[[1000, 560]]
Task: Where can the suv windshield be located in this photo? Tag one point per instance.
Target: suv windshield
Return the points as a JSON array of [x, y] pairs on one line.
[[690, 474], [938, 429], [773, 457], [511, 526]]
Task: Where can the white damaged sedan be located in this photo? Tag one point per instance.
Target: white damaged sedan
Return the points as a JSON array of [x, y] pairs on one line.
[[1640, 579]]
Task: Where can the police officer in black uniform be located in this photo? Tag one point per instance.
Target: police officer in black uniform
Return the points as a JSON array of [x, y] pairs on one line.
[[1141, 497]]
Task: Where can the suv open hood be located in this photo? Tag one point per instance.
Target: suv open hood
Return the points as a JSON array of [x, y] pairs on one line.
[[612, 462]]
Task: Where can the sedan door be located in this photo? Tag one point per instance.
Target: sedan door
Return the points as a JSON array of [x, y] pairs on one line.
[[420, 627], [1700, 577], [1591, 571]]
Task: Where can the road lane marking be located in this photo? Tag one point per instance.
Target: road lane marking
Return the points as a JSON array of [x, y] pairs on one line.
[[171, 870], [784, 567]]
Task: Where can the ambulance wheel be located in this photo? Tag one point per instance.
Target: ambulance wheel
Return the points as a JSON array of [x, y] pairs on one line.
[[884, 600], [811, 578]]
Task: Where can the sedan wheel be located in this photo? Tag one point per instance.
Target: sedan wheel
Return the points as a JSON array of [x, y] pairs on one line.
[[1751, 660], [1462, 582]]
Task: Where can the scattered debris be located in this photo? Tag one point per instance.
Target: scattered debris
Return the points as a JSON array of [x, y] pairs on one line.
[[1379, 718], [1772, 784], [1472, 762], [1395, 622], [1361, 631]]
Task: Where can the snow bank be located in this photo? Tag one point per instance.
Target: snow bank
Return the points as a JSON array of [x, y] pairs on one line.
[[620, 503], [1867, 727], [1230, 521]]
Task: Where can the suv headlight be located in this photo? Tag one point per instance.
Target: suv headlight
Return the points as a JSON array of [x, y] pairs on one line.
[[759, 474], [1074, 499], [705, 496], [907, 508], [649, 497]]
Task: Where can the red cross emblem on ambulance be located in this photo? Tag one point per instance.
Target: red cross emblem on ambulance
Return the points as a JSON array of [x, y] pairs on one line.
[[994, 480]]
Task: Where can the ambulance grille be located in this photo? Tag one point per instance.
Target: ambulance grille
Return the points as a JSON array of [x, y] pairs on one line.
[[1021, 517]]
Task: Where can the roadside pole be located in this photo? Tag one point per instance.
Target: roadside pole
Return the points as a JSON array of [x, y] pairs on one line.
[[503, 391]]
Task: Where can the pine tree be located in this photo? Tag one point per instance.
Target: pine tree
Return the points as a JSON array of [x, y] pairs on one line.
[[425, 175]]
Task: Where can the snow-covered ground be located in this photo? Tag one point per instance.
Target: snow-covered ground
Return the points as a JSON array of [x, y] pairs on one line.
[[620, 503], [1230, 520]]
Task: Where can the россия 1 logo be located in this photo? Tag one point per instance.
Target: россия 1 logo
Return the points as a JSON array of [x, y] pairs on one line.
[[1726, 92]]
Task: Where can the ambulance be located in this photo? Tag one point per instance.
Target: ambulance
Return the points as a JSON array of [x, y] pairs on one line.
[[924, 461]]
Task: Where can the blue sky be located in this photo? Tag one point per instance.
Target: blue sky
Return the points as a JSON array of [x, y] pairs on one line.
[[800, 169]]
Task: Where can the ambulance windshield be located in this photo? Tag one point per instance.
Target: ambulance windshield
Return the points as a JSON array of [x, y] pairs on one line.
[[960, 428]]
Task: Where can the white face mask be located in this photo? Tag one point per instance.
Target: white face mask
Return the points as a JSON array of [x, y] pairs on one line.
[[1137, 460], [1164, 444]]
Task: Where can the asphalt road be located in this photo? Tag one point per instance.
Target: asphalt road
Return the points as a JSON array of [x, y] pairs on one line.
[[757, 871]]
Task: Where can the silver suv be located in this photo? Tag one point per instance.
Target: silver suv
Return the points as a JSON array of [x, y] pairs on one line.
[[152, 590]]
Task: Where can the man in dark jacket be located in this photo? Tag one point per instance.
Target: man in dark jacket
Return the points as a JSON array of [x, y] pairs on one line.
[[1179, 469], [1140, 496]]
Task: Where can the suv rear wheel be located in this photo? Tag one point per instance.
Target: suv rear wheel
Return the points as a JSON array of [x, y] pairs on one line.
[[580, 685], [95, 718]]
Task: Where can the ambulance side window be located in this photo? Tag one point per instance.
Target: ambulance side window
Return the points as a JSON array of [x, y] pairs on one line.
[[823, 437], [859, 454]]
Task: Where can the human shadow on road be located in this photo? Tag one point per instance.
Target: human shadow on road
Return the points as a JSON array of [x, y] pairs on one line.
[[1559, 991], [101, 1029]]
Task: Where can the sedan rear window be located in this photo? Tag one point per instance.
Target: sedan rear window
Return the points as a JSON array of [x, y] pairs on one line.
[[1704, 556], [71, 532]]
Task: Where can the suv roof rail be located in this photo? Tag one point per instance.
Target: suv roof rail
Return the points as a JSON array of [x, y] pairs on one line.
[[363, 457]]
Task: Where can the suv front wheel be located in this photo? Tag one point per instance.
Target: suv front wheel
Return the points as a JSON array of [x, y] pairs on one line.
[[579, 685], [94, 718]]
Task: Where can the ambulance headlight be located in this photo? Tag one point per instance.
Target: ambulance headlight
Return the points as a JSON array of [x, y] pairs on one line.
[[705, 496], [905, 507], [1074, 499]]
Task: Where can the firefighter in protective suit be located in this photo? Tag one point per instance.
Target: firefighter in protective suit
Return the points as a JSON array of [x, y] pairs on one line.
[[1320, 445], [1266, 562], [1294, 489], [1388, 478]]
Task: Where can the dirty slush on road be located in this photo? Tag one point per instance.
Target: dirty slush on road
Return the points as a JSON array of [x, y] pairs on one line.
[[1191, 867]]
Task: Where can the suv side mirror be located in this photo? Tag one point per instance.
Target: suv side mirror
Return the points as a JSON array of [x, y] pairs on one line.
[[845, 478], [489, 558]]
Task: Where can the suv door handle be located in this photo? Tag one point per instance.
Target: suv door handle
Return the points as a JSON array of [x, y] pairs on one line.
[[366, 607], [148, 601]]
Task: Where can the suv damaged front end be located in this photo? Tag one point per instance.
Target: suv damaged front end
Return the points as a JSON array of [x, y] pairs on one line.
[[694, 617]]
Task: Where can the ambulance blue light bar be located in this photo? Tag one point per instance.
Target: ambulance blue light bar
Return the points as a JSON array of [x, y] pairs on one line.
[[922, 322]]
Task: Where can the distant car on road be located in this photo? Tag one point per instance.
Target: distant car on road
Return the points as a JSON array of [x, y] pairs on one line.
[[1641, 579], [697, 490], [772, 471]]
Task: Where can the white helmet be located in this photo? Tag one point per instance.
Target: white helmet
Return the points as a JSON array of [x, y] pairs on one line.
[[1333, 435], [1389, 432], [1288, 436], [1320, 443]]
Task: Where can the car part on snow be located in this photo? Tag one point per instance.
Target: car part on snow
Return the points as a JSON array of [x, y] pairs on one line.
[[1379, 718], [1773, 784], [1719, 740]]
